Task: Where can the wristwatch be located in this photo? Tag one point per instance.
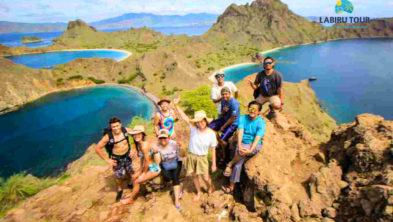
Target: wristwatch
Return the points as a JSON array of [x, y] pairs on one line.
[[282, 104]]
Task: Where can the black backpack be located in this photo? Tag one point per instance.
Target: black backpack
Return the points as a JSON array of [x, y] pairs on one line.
[[109, 146]]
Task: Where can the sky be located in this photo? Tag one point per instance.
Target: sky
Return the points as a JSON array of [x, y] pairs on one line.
[[34, 11]]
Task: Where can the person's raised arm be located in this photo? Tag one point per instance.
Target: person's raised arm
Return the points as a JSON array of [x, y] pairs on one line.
[[251, 83], [156, 124], [183, 116], [98, 150]]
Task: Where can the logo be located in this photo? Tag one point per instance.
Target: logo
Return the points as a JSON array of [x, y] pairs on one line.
[[344, 6]]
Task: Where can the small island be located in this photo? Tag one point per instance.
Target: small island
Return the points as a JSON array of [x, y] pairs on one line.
[[30, 39]]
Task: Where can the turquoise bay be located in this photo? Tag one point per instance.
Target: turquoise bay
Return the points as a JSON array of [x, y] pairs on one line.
[[44, 136], [354, 76], [50, 59]]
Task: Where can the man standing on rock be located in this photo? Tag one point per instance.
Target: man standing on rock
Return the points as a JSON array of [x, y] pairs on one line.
[[216, 89], [227, 123], [270, 85], [119, 150]]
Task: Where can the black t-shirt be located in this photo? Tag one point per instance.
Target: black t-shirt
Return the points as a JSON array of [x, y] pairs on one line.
[[269, 84]]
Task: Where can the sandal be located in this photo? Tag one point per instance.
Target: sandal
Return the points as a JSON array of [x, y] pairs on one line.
[[225, 189], [228, 173], [179, 208]]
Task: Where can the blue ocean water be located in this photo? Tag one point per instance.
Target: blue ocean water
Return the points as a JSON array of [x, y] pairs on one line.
[[13, 39], [44, 136], [49, 59], [353, 76]]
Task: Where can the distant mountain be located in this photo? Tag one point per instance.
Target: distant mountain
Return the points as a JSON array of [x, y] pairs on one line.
[[137, 20], [129, 20], [17, 27]]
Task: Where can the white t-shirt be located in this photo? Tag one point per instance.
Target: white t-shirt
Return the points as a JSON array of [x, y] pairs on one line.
[[201, 142], [216, 92]]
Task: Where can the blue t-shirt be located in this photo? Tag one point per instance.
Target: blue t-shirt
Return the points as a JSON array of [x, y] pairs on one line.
[[252, 128], [234, 110]]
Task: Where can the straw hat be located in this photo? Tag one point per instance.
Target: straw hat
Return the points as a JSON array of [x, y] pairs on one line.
[[163, 100], [200, 115], [163, 133], [138, 129]]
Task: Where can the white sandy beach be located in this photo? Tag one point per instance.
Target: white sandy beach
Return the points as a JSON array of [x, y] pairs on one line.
[[116, 50]]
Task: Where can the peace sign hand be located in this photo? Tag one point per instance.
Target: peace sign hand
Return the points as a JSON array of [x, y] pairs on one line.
[[176, 101]]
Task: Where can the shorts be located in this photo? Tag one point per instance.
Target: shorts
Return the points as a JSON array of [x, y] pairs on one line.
[[124, 165], [228, 131], [154, 167], [272, 99], [197, 164]]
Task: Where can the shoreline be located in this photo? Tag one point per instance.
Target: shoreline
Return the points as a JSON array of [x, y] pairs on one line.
[[311, 43], [212, 78], [149, 96], [128, 54]]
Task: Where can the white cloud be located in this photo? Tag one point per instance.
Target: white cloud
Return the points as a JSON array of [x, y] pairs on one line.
[[95, 10]]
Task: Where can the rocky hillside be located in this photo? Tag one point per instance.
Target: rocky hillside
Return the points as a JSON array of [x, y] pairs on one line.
[[270, 23], [265, 24], [294, 178]]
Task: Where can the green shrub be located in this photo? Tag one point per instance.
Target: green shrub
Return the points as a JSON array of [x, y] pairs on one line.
[[75, 77], [189, 56], [163, 76], [96, 81], [175, 89], [199, 99], [59, 82], [122, 81], [19, 187]]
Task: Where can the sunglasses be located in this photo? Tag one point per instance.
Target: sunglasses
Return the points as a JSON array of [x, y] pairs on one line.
[[220, 76], [267, 63], [252, 109], [163, 138]]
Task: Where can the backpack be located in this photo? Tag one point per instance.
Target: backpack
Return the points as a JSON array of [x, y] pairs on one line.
[[109, 146]]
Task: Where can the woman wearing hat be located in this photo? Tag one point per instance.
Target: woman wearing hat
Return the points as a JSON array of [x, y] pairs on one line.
[[165, 118], [149, 164], [201, 139], [170, 151]]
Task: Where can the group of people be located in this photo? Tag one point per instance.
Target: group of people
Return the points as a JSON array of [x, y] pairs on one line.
[[165, 155]]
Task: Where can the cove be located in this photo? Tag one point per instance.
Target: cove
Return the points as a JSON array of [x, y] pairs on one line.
[[354, 76], [44, 136], [50, 59]]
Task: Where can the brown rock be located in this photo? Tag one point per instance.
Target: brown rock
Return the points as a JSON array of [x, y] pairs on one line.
[[320, 157], [368, 120], [342, 184], [330, 212], [295, 213], [367, 206], [309, 209]]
